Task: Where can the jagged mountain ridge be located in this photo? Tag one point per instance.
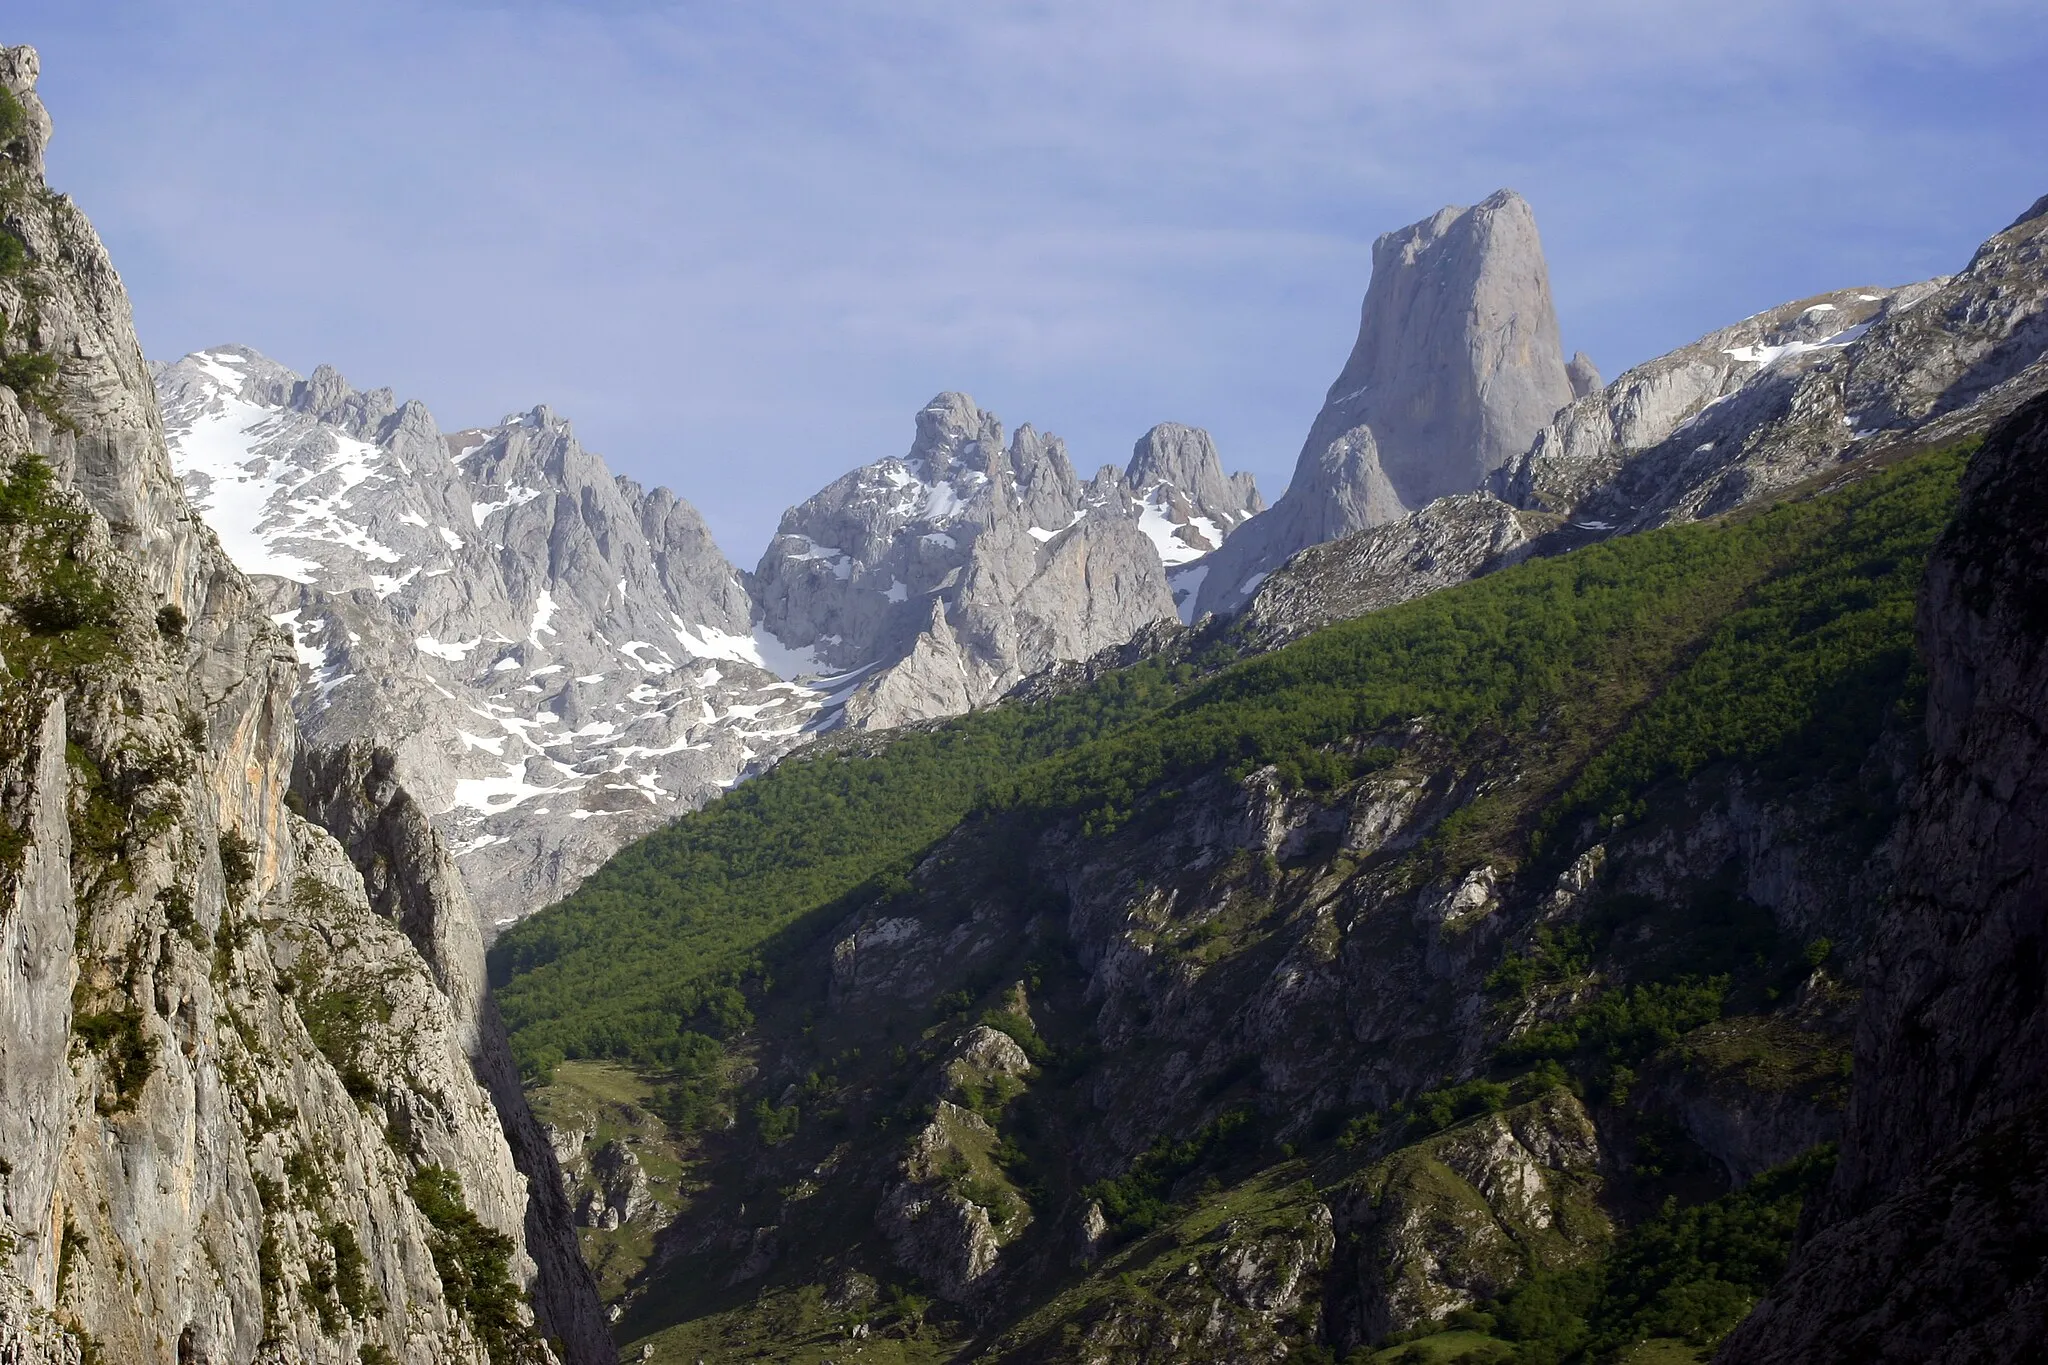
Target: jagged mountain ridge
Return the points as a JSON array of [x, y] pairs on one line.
[[562, 660], [956, 571], [245, 1115]]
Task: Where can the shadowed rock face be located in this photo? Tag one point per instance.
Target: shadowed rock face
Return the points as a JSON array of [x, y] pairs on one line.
[[1934, 1248], [1456, 368]]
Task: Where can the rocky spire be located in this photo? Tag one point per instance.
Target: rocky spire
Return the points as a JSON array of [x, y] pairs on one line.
[[1457, 366], [1181, 496], [1584, 374]]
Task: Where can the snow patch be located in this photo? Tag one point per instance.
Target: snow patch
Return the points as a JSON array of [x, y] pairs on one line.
[[1186, 586], [453, 651], [516, 495], [1766, 356], [493, 794], [543, 612], [1155, 520]]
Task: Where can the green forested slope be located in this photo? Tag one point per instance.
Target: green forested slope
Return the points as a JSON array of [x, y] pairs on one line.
[[653, 943], [1785, 632]]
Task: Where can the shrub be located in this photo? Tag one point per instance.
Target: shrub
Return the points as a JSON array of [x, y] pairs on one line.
[[13, 120], [1687, 1272], [776, 1125], [130, 1055], [237, 862], [474, 1263], [1140, 1199]]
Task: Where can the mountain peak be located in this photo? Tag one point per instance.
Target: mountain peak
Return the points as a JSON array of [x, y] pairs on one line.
[[1456, 367]]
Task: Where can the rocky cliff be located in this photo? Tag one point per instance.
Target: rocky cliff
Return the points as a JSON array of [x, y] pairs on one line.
[[240, 1108], [1456, 367], [1930, 1247]]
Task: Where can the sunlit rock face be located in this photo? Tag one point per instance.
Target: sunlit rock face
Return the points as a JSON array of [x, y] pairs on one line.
[[1456, 367]]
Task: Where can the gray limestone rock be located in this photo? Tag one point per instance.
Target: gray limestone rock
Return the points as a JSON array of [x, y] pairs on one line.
[[936, 582], [1584, 375], [1794, 391], [1448, 541], [1184, 501], [1457, 365], [411, 881], [1454, 1220], [935, 1229]]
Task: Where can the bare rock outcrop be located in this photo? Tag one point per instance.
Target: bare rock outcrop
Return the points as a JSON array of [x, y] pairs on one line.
[[936, 582], [1457, 365], [1455, 1220]]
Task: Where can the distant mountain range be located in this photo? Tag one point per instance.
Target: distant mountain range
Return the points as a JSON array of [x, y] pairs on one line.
[[563, 659]]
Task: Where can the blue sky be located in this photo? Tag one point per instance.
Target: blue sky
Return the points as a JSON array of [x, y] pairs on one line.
[[739, 244]]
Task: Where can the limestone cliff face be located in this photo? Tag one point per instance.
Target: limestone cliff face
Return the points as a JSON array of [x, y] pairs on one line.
[[240, 1115], [1931, 1251], [412, 882], [1457, 365]]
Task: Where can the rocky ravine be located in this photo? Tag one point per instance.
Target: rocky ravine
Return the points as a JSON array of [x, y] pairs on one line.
[[245, 1105]]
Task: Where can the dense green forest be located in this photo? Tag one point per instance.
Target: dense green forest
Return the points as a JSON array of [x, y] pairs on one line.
[[1784, 632], [650, 949]]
